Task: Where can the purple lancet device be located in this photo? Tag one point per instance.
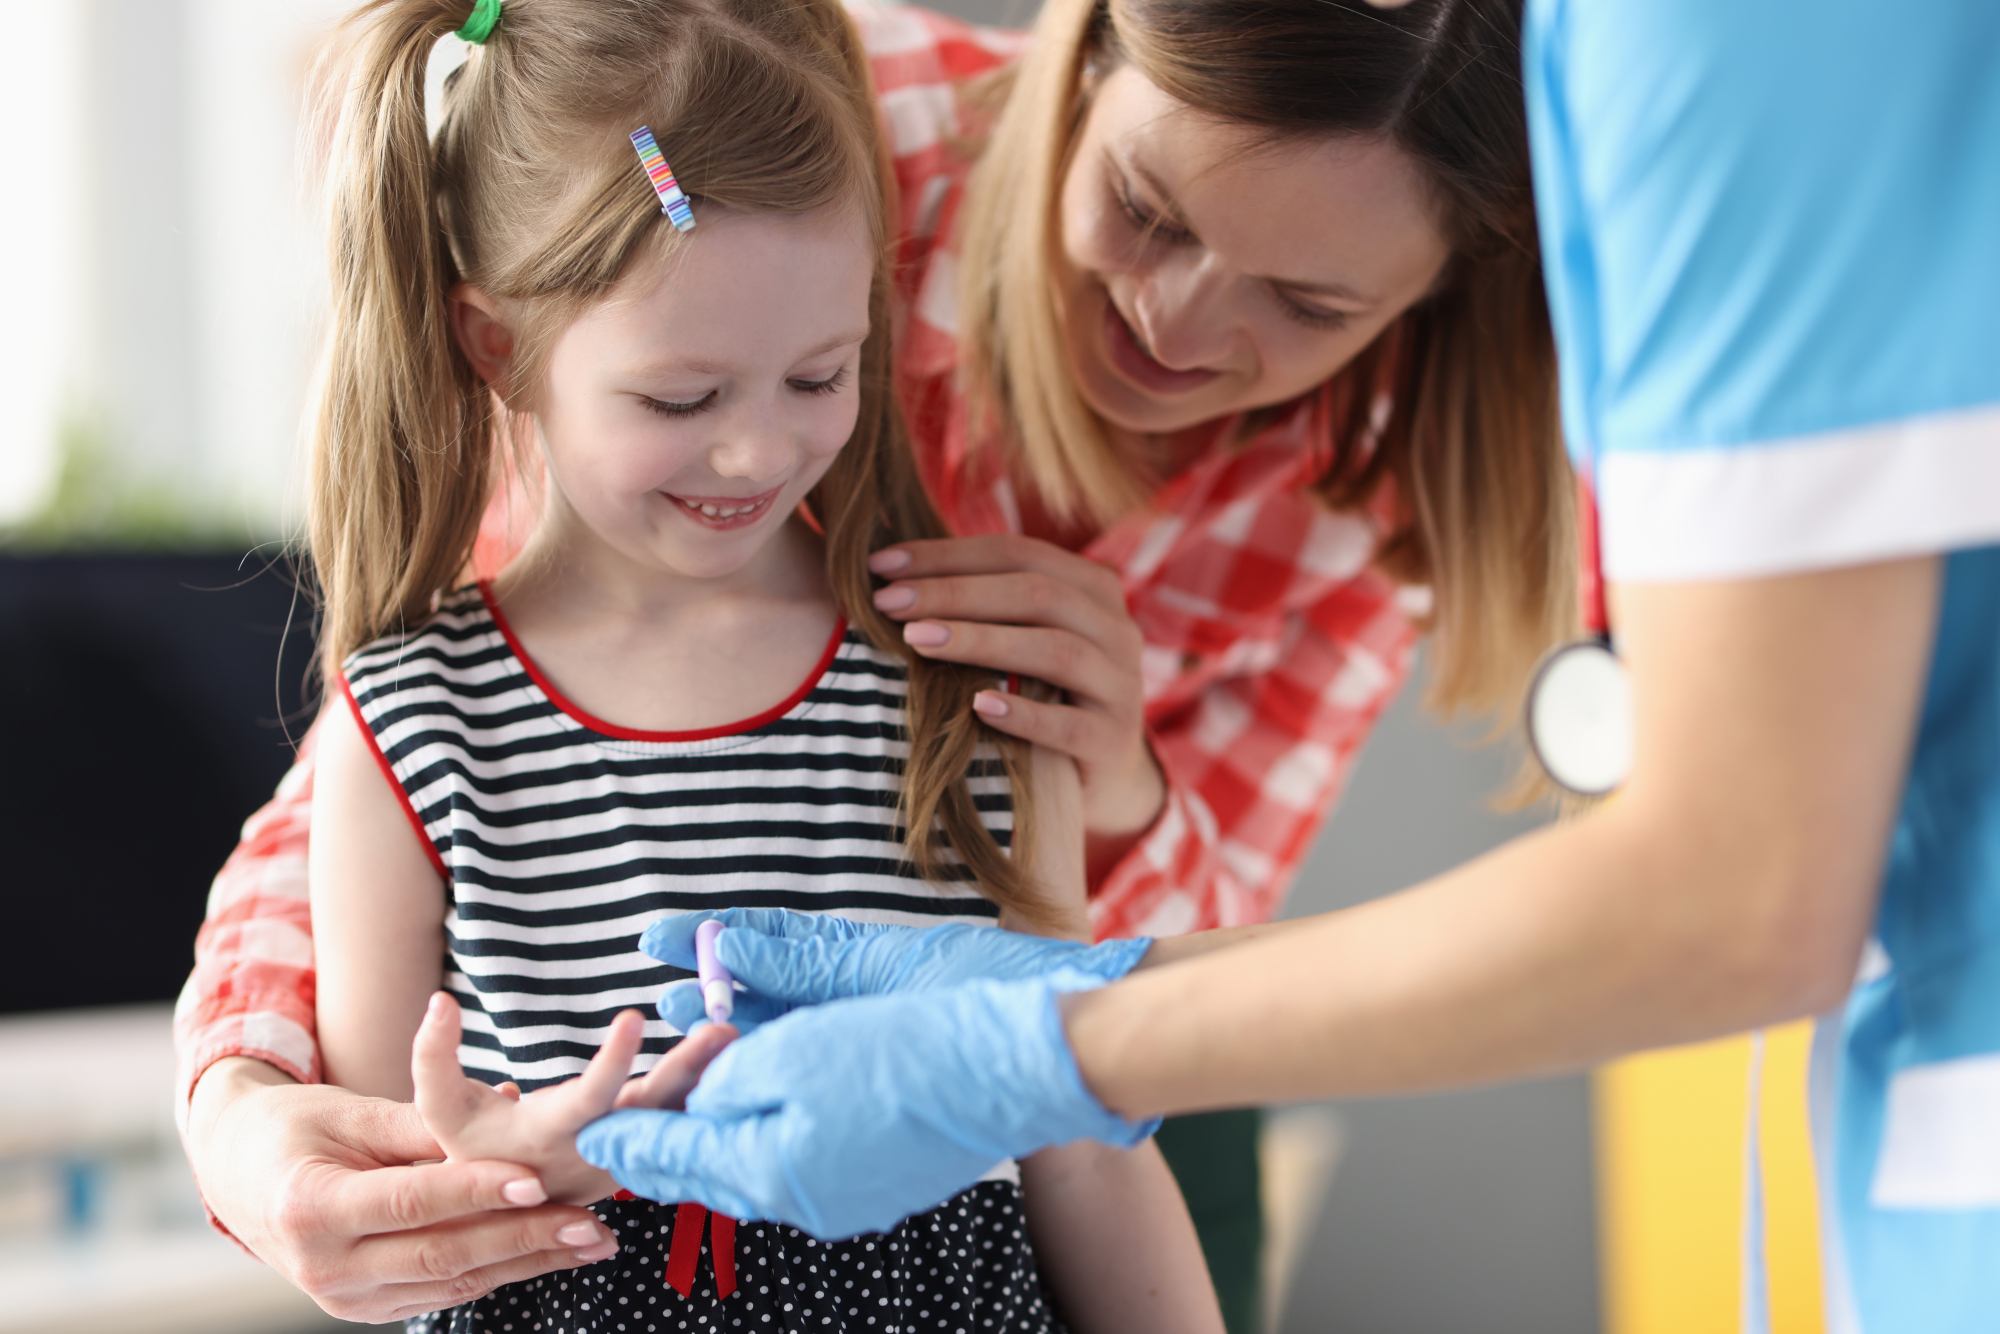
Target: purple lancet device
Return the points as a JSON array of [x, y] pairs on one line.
[[718, 988]]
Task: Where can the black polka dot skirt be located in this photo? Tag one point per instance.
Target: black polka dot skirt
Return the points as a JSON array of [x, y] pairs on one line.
[[963, 1268]]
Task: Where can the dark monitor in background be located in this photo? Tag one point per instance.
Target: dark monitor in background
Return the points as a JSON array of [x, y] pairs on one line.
[[148, 704]]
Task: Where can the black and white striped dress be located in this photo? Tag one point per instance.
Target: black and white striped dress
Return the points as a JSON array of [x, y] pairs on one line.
[[561, 837]]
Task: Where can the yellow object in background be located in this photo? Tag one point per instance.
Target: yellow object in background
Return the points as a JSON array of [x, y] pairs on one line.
[[1670, 1159]]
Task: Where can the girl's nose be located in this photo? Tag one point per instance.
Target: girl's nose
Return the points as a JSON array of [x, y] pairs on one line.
[[1181, 310], [756, 449]]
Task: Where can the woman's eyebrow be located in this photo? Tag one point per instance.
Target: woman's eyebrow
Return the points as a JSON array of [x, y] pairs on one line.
[[1303, 286], [1169, 206], [1338, 291]]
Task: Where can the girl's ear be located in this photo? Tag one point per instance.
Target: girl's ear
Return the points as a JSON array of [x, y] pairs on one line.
[[484, 336]]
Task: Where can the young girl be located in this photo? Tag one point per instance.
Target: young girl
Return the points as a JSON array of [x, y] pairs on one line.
[[679, 696]]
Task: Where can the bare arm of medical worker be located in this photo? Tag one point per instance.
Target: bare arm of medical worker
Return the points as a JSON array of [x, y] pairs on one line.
[[1731, 883], [1111, 1233]]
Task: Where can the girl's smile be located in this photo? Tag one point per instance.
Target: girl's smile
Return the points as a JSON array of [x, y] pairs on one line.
[[726, 512]]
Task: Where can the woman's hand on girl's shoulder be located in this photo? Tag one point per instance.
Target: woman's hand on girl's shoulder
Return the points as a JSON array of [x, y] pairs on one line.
[[1021, 605], [472, 1120]]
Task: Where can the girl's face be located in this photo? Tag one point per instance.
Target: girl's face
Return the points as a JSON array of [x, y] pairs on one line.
[[686, 417], [1208, 273]]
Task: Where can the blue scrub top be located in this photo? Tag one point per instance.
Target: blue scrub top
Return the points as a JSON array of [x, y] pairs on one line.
[[1772, 234]]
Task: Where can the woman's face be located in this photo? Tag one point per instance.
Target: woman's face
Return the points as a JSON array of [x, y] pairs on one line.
[[1208, 272]]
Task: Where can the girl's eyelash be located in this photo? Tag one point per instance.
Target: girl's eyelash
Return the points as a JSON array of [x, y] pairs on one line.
[[668, 408], [1323, 320], [832, 384]]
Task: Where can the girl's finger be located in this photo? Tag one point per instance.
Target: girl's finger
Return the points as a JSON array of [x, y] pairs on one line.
[[666, 1086], [1068, 662], [600, 1081], [441, 1091]]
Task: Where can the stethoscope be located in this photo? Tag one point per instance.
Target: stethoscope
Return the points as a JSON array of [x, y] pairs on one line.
[[1578, 713]]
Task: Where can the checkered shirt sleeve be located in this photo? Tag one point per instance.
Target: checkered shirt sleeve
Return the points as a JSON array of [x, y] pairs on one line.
[[252, 989], [1273, 644]]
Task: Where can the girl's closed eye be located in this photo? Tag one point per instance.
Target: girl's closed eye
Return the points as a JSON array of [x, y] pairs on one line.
[[832, 384], [667, 407]]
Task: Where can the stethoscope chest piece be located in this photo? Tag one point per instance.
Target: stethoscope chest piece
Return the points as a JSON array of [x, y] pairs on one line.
[[1579, 717]]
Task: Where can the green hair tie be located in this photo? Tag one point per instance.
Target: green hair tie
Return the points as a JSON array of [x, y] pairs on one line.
[[485, 17]]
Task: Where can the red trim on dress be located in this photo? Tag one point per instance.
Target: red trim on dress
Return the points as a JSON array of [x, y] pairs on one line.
[[395, 783], [616, 732]]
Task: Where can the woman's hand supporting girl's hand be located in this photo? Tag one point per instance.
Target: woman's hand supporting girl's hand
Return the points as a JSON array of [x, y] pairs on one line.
[[473, 1121], [1017, 604]]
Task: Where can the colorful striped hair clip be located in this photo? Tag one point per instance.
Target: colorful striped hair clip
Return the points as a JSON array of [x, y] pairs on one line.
[[672, 202]]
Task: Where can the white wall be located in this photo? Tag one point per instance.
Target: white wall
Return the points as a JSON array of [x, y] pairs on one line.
[[169, 267], [40, 221]]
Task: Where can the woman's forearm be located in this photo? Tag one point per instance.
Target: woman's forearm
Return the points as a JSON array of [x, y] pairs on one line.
[[1179, 949], [1484, 974], [1731, 883]]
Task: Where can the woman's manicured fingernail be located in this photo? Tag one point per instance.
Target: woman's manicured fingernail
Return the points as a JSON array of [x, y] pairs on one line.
[[525, 1191], [580, 1234], [991, 704], [889, 560], [926, 634], [896, 597]]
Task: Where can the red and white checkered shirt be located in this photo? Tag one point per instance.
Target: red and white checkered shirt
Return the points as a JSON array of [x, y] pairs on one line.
[[1272, 644]]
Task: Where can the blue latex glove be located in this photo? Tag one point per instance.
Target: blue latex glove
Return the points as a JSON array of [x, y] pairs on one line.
[[849, 1117], [786, 959]]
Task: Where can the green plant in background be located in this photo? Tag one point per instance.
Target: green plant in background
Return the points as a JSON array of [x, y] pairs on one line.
[[101, 504]]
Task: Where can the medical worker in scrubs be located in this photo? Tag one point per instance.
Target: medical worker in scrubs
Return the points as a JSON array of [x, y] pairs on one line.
[[1772, 230]]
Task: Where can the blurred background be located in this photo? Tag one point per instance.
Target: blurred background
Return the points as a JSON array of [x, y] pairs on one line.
[[153, 651]]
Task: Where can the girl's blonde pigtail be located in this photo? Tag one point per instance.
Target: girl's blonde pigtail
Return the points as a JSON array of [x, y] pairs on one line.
[[401, 443]]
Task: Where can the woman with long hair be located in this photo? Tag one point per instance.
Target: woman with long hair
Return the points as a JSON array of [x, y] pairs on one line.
[[1223, 348]]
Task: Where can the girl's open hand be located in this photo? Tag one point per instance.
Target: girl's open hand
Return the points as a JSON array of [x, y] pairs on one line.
[[475, 1121], [1017, 604]]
